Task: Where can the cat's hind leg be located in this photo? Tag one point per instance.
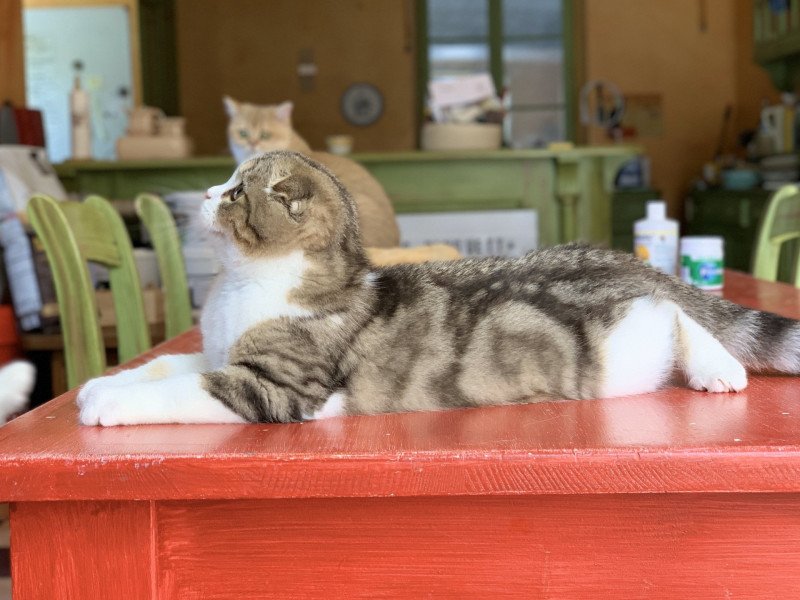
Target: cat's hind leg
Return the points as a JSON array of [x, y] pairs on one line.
[[638, 353], [654, 337], [334, 406], [704, 360]]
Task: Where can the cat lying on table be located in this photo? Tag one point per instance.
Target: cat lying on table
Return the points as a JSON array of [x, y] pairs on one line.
[[300, 326]]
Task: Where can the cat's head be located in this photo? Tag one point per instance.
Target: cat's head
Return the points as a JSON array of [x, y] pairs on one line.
[[255, 129], [280, 202]]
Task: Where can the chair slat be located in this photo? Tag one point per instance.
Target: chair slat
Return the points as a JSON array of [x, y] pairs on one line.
[[83, 341], [164, 234]]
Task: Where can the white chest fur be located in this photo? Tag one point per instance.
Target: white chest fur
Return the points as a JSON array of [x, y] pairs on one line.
[[245, 294]]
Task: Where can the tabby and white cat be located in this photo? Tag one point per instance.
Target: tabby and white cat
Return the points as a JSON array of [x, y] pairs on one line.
[[254, 129], [300, 325]]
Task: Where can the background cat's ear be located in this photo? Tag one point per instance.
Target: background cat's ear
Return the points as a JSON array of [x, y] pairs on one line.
[[284, 111], [231, 106]]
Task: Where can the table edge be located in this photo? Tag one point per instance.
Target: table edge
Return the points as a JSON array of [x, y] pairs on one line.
[[145, 477]]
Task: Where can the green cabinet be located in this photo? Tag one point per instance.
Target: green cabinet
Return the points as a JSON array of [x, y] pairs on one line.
[[571, 190], [628, 206], [734, 215], [776, 41]]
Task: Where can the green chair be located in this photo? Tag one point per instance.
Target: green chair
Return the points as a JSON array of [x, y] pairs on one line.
[[73, 233], [164, 235], [780, 224]]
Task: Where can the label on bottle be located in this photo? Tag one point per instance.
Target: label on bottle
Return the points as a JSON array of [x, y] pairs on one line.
[[658, 249], [705, 273]]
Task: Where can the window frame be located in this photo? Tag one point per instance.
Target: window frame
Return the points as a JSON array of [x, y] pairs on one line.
[[132, 6], [572, 48]]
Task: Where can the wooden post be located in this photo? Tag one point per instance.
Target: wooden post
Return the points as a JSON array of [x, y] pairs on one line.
[[12, 63], [568, 192]]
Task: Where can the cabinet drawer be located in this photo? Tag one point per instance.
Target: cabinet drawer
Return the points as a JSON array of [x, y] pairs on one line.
[[733, 215]]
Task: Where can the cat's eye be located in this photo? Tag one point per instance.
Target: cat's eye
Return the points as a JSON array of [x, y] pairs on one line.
[[236, 192], [243, 133], [265, 135]]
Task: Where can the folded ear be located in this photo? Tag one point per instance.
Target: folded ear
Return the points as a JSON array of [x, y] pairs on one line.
[[284, 111], [231, 105], [295, 188]]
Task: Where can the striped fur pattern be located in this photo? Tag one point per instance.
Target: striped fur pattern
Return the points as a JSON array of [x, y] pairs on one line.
[[301, 326]]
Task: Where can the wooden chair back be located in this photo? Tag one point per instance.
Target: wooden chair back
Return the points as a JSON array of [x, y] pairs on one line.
[[73, 233], [164, 236], [780, 224]]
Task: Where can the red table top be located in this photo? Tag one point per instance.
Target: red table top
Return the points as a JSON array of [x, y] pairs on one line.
[[676, 440]]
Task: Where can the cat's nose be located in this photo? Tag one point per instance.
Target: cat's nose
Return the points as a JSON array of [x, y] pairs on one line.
[[208, 195]]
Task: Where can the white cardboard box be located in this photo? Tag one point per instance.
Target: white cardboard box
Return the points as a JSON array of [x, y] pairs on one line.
[[474, 233], [465, 89]]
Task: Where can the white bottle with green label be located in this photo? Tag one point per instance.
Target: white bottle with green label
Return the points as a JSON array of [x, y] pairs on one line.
[[655, 238], [702, 261]]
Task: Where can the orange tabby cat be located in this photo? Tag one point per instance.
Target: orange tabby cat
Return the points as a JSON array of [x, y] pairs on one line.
[[254, 129]]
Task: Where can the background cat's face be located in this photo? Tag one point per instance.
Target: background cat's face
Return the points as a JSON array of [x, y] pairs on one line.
[[255, 129], [279, 202]]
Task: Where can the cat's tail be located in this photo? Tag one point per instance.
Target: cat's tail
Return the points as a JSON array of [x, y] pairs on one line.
[[761, 341]]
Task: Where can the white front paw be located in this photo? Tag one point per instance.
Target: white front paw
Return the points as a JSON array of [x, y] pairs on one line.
[[93, 385], [118, 379], [87, 388], [104, 405]]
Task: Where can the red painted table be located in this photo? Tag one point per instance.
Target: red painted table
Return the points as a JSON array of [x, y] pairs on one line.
[[677, 494]]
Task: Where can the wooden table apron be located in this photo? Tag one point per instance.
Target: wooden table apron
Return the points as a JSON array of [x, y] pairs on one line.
[[677, 494]]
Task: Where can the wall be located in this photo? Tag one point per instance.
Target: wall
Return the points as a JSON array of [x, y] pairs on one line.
[[645, 47], [660, 47], [12, 66], [249, 49]]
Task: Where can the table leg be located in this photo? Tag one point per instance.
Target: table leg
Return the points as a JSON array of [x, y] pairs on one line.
[[58, 372], [81, 550], [568, 189]]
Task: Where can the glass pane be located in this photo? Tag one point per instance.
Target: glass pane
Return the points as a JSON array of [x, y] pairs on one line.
[[535, 128], [534, 72], [99, 38], [532, 17], [458, 18], [458, 59]]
